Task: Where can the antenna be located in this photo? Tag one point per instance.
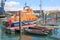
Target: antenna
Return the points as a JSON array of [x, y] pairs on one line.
[[25, 4]]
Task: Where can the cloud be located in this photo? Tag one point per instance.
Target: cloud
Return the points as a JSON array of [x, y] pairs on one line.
[[48, 8], [51, 8], [12, 6]]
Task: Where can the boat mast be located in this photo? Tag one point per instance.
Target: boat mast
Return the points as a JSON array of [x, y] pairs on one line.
[[41, 14], [40, 7]]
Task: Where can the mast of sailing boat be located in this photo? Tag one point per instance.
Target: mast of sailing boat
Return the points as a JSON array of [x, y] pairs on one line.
[[40, 8], [42, 14]]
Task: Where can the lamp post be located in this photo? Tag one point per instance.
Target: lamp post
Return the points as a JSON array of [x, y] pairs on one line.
[[20, 24]]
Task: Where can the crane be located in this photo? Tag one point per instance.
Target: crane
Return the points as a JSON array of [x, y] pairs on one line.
[[2, 11]]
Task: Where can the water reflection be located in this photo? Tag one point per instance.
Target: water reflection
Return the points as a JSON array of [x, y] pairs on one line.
[[54, 36]]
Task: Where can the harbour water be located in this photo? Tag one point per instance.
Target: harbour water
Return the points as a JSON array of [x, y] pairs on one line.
[[3, 36]]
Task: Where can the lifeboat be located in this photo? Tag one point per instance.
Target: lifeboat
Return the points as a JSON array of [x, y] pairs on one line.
[[26, 15]]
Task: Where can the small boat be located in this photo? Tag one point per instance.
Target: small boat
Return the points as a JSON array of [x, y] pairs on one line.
[[38, 30]]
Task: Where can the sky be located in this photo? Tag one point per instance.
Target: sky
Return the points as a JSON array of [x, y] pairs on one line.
[[14, 5]]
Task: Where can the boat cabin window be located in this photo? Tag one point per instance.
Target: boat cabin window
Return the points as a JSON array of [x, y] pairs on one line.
[[16, 24]]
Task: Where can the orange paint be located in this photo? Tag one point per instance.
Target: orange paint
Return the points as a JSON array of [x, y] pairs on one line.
[[26, 15]]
